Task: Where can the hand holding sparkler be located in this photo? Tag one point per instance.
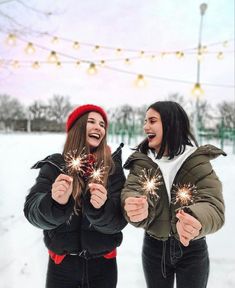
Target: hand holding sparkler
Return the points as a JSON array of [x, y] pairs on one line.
[[136, 208], [62, 189], [97, 190], [188, 227], [98, 194]]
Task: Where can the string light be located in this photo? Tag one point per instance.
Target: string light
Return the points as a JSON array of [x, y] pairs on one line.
[[92, 69], [179, 54], [153, 58], [78, 63], [204, 49], [220, 55], [200, 55], [11, 40], [53, 58], [118, 51], [16, 64], [197, 90], [55, 40], [127, 61], [29, 49], [225, 43], [140, 81], [76, 45], [58, 64], [36, 65], [96, 48]]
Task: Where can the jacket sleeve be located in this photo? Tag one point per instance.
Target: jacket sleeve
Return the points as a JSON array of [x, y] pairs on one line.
[[209, 205], [133, 188], [39, 208], [109, 218]]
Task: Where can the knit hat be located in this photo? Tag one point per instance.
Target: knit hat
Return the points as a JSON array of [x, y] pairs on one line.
[[81, 110]]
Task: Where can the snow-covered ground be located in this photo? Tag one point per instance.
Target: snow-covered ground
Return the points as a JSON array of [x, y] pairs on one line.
[[23, 257]]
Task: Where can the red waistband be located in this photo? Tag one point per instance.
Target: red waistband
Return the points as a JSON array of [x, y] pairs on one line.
[[111, 254], [59, 258]]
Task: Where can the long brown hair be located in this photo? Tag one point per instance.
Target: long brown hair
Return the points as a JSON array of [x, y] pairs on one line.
[[76, 143]]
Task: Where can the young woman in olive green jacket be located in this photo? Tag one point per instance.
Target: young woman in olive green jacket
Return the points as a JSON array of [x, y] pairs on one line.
[[173, 193]]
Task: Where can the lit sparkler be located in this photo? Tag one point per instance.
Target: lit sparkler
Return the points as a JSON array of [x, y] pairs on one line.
[[150, 183], [76, 164], [184, 194], [97, 173]]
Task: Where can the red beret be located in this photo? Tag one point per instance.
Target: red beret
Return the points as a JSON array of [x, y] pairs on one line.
[[81, 110]]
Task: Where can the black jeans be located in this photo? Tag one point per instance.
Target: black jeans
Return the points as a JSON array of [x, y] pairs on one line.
[[77, 272], [163, 261]]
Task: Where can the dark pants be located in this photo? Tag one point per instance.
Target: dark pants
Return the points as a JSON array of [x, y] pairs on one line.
[[165, 260], [77, 272]]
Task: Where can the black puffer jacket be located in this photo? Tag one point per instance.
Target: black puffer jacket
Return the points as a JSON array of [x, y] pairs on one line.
[[94, 232]]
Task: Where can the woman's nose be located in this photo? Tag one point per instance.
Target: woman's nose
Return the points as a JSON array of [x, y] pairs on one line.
[[97, 126], [146, 127]]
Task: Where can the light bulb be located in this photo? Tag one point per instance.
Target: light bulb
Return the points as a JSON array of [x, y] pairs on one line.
[[11, 40], [55, 40], [220, 55], [92, 69], [140, 81], [29, 49], [197, 90], [53, 58], [96, 48], [76, 45], [118, 50], [36, 65]]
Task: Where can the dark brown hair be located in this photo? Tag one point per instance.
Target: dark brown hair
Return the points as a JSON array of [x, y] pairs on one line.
[[176, 129]]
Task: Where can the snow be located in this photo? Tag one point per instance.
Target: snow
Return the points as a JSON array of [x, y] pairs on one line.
[[23, 257]]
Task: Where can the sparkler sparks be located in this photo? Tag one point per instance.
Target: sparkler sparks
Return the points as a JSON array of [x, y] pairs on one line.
[[97, 173], [184, 194], [84, 165], [150, 183], [76, 165]]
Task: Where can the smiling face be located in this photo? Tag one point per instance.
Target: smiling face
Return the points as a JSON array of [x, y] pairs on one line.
[[95, 129], [153, 129]]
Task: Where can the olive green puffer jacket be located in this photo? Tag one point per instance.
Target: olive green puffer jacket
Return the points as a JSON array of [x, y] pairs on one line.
[[208, 206]]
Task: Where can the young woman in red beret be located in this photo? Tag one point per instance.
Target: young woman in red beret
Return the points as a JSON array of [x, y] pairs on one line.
[[81, 217]]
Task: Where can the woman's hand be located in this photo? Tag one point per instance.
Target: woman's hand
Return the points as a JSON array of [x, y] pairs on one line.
[[136, 208], [187, 227], [98, 195], [62, 189]]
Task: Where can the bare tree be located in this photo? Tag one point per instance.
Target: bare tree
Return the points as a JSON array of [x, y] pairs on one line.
[[226, 113], [59, 107], [10, 108], [38, 110]]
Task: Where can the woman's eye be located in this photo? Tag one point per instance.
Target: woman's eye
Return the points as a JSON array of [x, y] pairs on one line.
[[91, 121]]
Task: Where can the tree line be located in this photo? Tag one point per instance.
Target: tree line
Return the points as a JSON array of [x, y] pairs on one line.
[[51, 115]]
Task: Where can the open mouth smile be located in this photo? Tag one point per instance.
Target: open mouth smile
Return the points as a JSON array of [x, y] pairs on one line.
[[97, 136]]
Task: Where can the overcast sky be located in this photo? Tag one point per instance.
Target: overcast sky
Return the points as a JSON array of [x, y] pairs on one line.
[[152, 26]]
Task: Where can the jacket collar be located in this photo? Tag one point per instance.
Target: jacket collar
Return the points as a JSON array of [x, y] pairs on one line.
[[208, 150], [58, 161]]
